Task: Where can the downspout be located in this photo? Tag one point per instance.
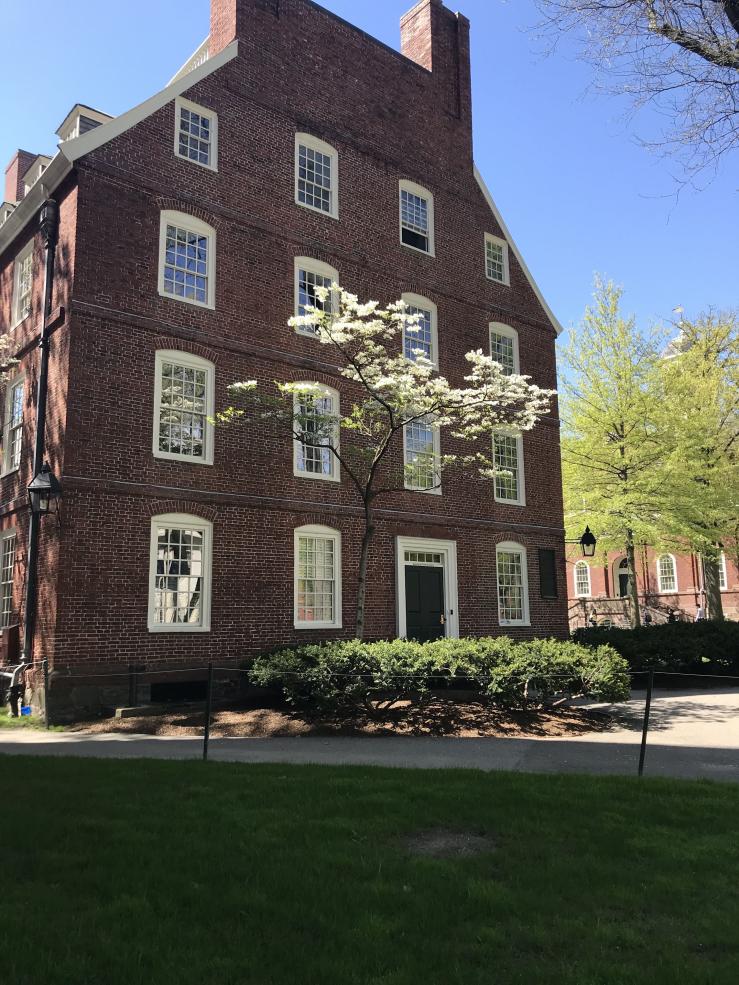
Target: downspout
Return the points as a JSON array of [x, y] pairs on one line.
[[49, 226]]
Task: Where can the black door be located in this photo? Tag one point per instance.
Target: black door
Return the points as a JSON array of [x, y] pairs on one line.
[[623, 579], [424, 603]]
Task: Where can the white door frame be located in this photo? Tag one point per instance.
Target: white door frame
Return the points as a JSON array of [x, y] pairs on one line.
[[448, 551]]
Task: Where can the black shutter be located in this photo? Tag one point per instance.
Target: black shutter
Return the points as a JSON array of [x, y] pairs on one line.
[[547, 573]]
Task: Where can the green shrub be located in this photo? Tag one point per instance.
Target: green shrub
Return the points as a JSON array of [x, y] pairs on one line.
[[345, 675], [695, 648]]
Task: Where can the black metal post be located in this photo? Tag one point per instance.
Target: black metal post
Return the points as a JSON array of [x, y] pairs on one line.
[[49, 223], [47, 720], [208, 711], [647, 706]]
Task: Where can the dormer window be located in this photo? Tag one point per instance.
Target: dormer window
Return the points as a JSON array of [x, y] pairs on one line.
[[35, 171], [416, 217], [80, 120], [196, 134]]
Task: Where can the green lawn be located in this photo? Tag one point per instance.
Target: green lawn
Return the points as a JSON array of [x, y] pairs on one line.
[[156, 873]]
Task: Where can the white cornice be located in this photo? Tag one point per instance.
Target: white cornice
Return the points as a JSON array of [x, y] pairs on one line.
[[535, 287]]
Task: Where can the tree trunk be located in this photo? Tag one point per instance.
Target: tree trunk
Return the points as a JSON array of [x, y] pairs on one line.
[[712, 585], [369, 533], [633, 590]]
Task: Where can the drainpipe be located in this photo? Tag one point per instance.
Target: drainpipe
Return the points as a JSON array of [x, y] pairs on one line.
[[49, 226]]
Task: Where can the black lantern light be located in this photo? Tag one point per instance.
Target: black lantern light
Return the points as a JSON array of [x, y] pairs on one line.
[[588, 542], [44, 492]]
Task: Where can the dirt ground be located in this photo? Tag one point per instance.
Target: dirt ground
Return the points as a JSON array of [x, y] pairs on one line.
[[439, 717]]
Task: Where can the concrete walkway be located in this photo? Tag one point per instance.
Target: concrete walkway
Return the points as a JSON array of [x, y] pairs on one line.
[[692, 735]]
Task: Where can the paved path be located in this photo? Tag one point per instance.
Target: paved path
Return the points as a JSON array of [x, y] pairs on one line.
[[692, 735]]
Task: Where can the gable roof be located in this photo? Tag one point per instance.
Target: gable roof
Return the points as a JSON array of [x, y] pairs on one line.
[[517, 253]]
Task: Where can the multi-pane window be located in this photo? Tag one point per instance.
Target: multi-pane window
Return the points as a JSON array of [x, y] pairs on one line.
[[13, 429], [496, 259], [504, 347], [184, 403], [315, 425], [180, 573], [317, 577], [187, 259], [310, 275], [667, 573], [508, 477], [316, 174], [419, 338], [7, 566], [196, 133], [582, 579], [416, 217], [22, 283], [512, 584], [421, 456]]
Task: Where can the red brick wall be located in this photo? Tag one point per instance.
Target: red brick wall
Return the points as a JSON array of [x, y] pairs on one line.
[[20, 162]]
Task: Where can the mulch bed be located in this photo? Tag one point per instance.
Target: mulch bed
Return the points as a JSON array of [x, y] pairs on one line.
[[439, 717]]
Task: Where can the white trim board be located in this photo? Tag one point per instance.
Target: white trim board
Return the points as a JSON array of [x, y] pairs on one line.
[[448, 551], [517, 253]]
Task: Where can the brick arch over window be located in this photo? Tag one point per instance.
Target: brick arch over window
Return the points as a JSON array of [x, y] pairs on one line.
[[185, 506], [184, 345], [166, 204]]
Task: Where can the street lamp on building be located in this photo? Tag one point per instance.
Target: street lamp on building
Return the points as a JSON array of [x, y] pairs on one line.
[[44, 492], [588, 542]]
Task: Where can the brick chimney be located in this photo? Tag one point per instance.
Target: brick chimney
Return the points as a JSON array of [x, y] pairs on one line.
[[20, 162], [228, 20], [439, 40]]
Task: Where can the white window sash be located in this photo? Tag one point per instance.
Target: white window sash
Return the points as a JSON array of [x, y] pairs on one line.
[[301, 592], [308, 143], [514, 550], [186, 583], [499, 482], [327, 455], [13, 426], [186, 361], [212, 117], [188, 224], [496, 241], [418, 191]]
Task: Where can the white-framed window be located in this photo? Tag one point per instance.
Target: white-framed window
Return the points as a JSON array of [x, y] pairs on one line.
[[13, 425], [416, 217], [508, 459], [667, 573], [180, 574], [513, 584], [504, 347], [316, 432], [183, 403], [723, 581], [23, 283], [423, 337], [7, 569], [317, 578], [187, 259], [421, 454], [582, 579], [496, 259], [316, 175], [196, 133], [309, 275]]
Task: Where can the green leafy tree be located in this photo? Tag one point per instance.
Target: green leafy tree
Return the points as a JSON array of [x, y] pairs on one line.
[[388, 388], [614, 452]]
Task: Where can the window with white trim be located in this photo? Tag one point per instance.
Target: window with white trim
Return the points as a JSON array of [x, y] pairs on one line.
[[196, 133], [180, 573], [421, 456], [187, 259], [317, 578], [183, 404], [667, 573], [316, 432], [316, 175], [23, 283], [416, 217], [508, 460], [513, 585], [582, 579], [310, 275], [13, 425], [504, 347], [496, 259], [421, 339], [7, 569], [723, 581]]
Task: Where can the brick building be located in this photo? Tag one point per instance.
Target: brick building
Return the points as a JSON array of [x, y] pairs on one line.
[[290, 149], [664, 581]]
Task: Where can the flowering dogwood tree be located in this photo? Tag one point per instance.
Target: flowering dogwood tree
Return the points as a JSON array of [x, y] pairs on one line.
[[391, 387]]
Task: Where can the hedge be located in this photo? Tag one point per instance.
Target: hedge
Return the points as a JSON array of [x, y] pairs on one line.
[[699, 647], [351, 674]]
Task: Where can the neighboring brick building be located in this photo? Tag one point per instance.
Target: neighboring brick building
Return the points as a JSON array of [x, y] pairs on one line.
[[665, 581], [291, 147]]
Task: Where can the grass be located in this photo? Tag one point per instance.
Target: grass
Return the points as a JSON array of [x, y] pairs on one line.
[[163, 872], [24, 721]]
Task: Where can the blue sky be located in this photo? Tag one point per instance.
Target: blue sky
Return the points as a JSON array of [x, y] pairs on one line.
[[577, 193]]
